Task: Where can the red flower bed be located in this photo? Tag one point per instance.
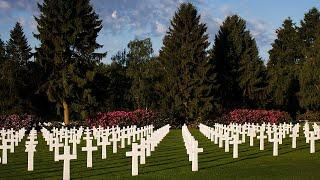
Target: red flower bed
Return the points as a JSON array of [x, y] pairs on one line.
[[241, 116], [138, 117], [16, 121]]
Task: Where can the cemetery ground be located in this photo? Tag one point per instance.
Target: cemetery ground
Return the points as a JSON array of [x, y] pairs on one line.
[[170, 161]]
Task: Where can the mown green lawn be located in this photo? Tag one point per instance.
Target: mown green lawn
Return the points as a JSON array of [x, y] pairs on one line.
[[170, 161]]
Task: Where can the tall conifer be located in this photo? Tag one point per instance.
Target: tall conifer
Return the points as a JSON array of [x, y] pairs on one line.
[[240, 71], [283, 68], [67, 33], [184, 64]]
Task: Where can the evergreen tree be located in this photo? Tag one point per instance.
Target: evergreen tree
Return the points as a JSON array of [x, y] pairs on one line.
[[15, 74], [240, 71], [285, 57], [2, 51], [310, 80], [139, 54], [67, 33], [17, 47], [310, 27], [184, 67]]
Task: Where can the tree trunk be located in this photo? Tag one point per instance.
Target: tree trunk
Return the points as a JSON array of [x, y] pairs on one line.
[[66, 113]]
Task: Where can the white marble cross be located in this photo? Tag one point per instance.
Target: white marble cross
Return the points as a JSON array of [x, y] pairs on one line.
[[275, 141], [89, 148], [280, 134], [251, 134], [66, 157], [142, 148], [220, 139], [148, 145], [30, 148], [227, 139], [123, 137], [194, 151], [4, 148], [134, 153], [312, 139], [235, 142], [114, 142], [104, 142], [294, 136], [261, 137]]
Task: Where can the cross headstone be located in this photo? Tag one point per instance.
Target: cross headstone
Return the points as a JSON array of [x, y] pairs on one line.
[[104, 144], [114, 142], [261, 137], [30, 148], [275, 141], [251, 135], [194, 151], [89, 148], [4, 148], [142, 148], [312, 139], [66, 157], [294, 136], [235, 143], [135, 153]]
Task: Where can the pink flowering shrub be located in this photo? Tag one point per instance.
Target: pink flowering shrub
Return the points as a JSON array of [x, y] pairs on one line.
[[241, 116], [16, 121], [138, 117]]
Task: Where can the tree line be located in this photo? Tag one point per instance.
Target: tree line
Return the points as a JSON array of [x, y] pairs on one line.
[[188, 81]]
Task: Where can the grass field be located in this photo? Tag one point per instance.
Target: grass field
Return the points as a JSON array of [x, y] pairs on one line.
[[170, 161]]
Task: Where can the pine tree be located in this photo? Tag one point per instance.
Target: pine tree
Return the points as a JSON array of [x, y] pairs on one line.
[[2, 51], [67, 33], [285, 57], [15, 74], [17, 46], [184, 66], [310, 27], [309, 79], [309, 76], [240, 71]]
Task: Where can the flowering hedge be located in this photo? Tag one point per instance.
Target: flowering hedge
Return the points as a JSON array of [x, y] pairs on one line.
[[138, 117], [241, 116], [16, 121]]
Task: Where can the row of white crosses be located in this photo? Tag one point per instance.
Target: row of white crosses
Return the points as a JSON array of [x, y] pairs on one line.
[[311, 136], [127, 134], [191, 146], [145, 147], [9, 140], [63, 137], [273, 133], [224, 135]]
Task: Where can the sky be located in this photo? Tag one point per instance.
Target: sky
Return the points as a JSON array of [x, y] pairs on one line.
[[126, 20]]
